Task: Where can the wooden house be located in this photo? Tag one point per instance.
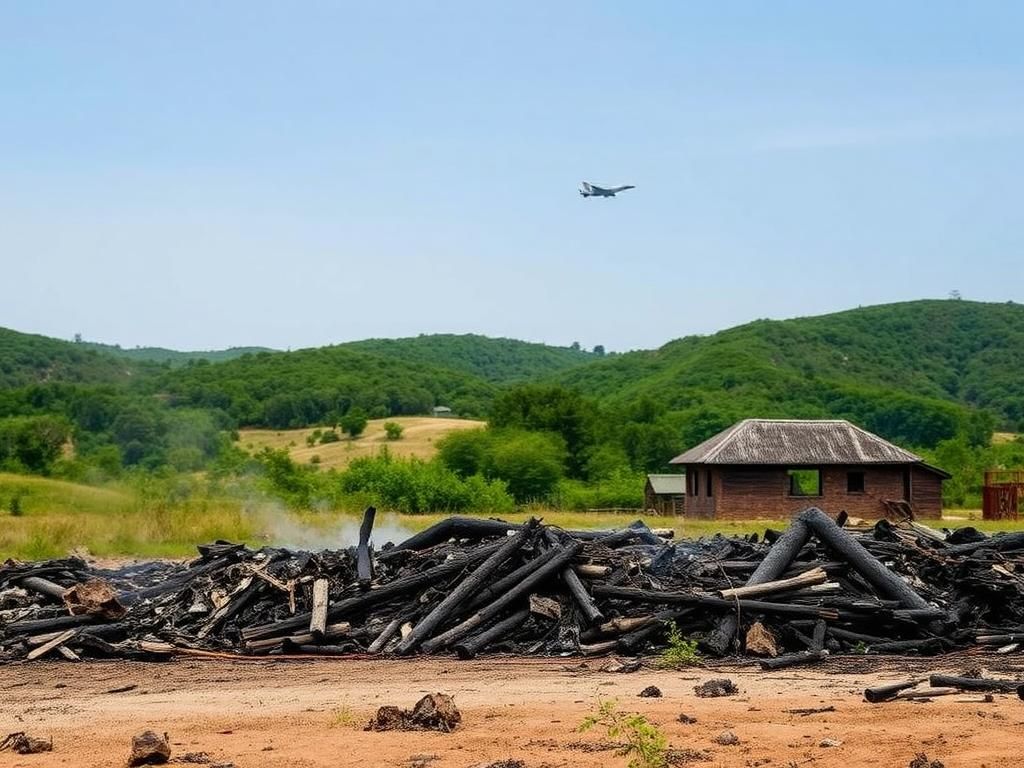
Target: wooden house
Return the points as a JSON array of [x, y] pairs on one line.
[[665, 494], [772, 468]]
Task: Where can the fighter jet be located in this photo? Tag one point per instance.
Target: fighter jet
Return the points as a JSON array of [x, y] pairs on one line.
[[592, 190]]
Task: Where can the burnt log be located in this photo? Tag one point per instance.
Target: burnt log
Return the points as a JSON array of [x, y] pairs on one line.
[[490, 611], [779, 558], [582, 597], [973, 683], [880, 693], [469, 647], [364, 557], [793, 659], [465, 589]]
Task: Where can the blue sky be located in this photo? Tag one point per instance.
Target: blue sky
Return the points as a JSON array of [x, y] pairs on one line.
[[197, 175]]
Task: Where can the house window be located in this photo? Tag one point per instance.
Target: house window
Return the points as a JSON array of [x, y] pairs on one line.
[[804, 482], [695, 483], [855, 482], [710, 489]]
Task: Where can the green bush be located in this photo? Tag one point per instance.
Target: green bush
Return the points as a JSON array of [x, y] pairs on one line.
[[623, 490], [417, 486], [393, 430], [14, 506], [329, 436], [354, 423]]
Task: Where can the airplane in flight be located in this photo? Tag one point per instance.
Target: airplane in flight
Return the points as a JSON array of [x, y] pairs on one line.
[[592, 190]]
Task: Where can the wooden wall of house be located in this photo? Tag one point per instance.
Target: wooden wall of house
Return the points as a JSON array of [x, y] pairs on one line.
[[763, 492], [926, 493], [698, 502]]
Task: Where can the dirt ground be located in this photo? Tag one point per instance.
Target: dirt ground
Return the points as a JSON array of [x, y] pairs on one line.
[[281, 713]]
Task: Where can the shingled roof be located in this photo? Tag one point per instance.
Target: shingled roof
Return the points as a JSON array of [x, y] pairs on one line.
[[794, 442]]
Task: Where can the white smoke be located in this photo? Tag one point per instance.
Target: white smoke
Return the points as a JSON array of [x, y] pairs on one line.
[[329, 530]]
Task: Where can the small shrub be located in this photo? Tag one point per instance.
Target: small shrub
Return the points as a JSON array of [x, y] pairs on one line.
[[14, 506], [329, 436], [645, 745], [680, 652], [393, 430], [314, 459], [354, 423]]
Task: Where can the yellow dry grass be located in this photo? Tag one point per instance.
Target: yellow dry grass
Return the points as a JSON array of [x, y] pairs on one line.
[[419, 439], [998, 438]]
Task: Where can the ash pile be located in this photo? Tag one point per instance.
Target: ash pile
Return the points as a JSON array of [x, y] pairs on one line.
[[470, 586]]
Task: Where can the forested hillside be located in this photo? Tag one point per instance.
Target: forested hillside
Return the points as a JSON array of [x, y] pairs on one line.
[[500, 361], [311, 386], [27, 359], [906, 370], [172, 356], [935, 376]]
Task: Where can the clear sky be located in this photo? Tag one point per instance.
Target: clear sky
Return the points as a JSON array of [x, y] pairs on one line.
[[198, 175]]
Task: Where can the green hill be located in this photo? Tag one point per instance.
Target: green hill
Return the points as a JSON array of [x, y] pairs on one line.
[[172, 356], [948, 357], [27, 359], [500, 361], [314, 386]]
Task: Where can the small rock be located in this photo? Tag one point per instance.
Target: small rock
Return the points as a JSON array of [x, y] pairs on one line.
[[148, 748], [761, 642], [651, 692], [721, 686], [727, 739], [921, 761], [22, 744], [686, 719], [830, 743], [434, 712]]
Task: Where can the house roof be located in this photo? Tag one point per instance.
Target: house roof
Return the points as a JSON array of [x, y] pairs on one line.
[[795, 442], [669, 485]]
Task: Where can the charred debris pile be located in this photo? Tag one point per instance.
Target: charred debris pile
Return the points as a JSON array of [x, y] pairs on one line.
[[470, 586]]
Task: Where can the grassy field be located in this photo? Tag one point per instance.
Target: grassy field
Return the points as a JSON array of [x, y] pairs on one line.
[[419, 439], [168, 519]]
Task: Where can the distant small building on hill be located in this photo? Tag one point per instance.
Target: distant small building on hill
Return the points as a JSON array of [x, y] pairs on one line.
[[773, 468], [665, 494], [441, 410]]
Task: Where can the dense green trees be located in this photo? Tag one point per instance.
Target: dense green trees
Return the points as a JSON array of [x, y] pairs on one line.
[[32, 443]]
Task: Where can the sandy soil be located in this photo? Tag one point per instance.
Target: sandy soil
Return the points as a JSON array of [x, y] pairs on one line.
[[311, 713]]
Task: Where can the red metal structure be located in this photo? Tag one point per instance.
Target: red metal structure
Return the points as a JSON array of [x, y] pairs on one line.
[[1002, 495]]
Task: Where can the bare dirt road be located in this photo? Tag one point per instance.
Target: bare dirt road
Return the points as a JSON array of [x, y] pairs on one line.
[[274, 714]]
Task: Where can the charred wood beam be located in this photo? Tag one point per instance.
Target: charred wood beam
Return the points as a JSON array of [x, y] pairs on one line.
[[453, 527], [583, 599], [37, 626], [753, 606], [793, 659], [880, 693], [364, 558], [779, 558], [42, 586], [973, 683], [465, 590], [376, 595], [490, 611], [1000, 543], [866, 564], [469, 647], [491, 592]]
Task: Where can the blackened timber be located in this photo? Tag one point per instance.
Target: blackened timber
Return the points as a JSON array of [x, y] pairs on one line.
[[782, 553], [465, 589], [469, 647], [488, 612], [452, 527], [498, 588], [866, 564], [973, 683], [42, 586], [880, 693], [364, 558], [999, 543], [38, 626], [753, 606], [377, 595], [793, 659], [581, 596]]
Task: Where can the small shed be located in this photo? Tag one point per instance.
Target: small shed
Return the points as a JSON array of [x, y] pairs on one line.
[[665, 494], [441, 410]]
